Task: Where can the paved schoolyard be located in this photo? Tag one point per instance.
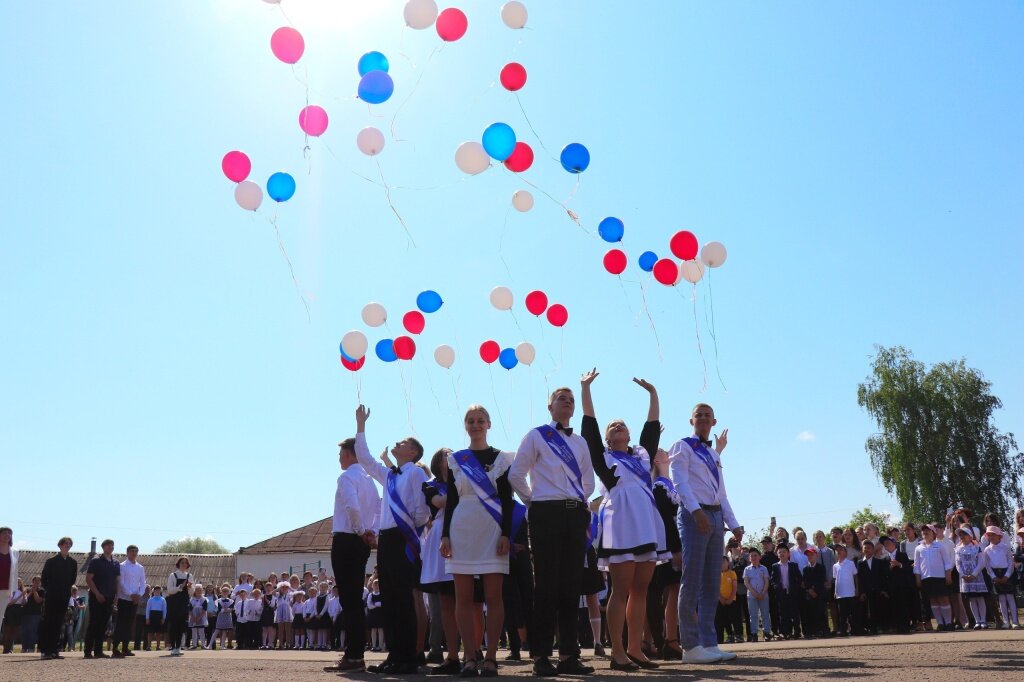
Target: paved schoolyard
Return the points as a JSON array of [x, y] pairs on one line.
[[926, 657]]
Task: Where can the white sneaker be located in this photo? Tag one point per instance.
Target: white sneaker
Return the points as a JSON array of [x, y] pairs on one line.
[[722, 655], [699, 654], [176, 652]]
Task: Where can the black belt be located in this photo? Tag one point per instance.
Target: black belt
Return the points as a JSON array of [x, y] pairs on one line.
[[560, 504], [711, 507]]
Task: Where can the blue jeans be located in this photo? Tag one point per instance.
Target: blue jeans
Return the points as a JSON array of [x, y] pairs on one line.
[[699, 587], [30, 632], [756, 608]]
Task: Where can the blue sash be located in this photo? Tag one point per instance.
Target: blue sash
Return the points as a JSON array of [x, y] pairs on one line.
[[564, 453], [701, 451], [594, 529], [634, 464], [518, 516], [481, 483], [666, 483], [440, 486], [403, 519]]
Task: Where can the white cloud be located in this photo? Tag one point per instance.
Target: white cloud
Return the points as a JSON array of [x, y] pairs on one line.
[[805, 436]]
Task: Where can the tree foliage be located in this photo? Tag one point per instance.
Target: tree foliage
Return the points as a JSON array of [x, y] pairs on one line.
[[937, 447], [191, 545], [882, 519]]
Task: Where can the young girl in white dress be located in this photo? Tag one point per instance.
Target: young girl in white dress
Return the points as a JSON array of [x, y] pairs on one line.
[[970, 563], [197, 619], [475, 539], [632, 531]]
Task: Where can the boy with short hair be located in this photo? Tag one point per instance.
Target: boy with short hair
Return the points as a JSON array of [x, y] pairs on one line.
[[814, 595], [755, 577], [787, 581], [844, 576]]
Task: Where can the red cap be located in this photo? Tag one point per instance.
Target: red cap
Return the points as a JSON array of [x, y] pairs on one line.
[[811, 550]]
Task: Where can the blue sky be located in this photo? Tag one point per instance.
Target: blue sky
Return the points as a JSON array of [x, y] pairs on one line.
[[863, 165]]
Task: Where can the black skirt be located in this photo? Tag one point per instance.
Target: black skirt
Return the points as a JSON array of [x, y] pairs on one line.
[[1009, 587], [593, 581], [375, 618]]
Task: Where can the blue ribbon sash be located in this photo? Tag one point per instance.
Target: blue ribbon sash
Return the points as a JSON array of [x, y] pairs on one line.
[[666, 483], [594, 529], [564, 453], [403, 519], [635, 465], [481, 483], [701, 451]]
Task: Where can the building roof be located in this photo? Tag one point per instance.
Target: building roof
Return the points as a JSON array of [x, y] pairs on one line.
[[207, 568], [315, 537]]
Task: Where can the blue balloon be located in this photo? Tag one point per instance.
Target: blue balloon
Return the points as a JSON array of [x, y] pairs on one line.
[[508, 358], [372, 61], [575, 158], [499, 141], [385, 350], [611, 230], [647, 260], [281, 187], [429, 301], [344, 354], [376, 87]]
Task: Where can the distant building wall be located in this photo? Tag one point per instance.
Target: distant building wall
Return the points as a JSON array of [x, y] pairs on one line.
[[262, 565]]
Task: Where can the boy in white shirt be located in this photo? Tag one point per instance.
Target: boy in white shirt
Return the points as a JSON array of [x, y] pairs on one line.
[[844, 576]]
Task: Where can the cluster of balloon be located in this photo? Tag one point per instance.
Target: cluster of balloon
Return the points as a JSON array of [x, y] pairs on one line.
[[451, 24], [354, 344], [491, 352], [537, 305], [237, 166], [612, 230], [684, 246]]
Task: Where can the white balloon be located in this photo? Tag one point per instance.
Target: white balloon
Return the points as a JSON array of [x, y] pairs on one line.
[[374, 315], [248, 195], [272, 2], [501, 298], [445, 355], [370, 141], [714, 254], [471, 158], [522, 201], [525, 353], [420, 14], [354, 344], [690, 270], [514, 14]]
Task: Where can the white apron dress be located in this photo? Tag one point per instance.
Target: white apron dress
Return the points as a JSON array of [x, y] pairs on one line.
[[631, 527], [473, 533]]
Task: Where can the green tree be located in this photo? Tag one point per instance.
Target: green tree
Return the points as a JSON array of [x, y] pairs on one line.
[[191, 545], [937, 447], [881, 519]]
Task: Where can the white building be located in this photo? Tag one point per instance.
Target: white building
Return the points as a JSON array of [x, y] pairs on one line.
[[303, 549]]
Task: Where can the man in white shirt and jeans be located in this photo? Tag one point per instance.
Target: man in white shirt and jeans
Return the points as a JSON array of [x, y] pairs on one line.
[[704, 513]]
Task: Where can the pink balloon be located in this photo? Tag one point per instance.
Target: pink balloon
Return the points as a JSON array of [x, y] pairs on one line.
[[313, 120], [287, 44], [236, 166], [451, 24]]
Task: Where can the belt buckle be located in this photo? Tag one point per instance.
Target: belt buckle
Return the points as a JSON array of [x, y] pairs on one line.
[[571, 504]]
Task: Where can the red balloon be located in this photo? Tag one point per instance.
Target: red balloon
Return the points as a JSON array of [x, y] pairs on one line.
[[536, 302], [405, 348], [353, 366], [236, 166], [558, 315], [451, 24], [615, 261], [521, 159], [666, 271], [413, 322], [684, 245], [513, 76], [489, 351]]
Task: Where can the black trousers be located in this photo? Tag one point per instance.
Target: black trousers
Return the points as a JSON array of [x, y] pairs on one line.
[[558, 539], [139, 633], [177, 618], [55, 607], [125, 620], [814, 616], [348, 560], [789, 613], [99, 616], [845, 606], [398, 578]]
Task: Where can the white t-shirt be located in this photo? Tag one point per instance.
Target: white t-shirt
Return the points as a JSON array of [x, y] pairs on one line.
[[843, 573]]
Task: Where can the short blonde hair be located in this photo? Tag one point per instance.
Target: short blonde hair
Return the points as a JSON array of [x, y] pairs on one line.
[[554, 394], [700, 405], [476, 407]]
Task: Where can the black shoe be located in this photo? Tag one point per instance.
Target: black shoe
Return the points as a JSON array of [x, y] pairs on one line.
[[623, 667], [671, 653], [542, 667], [514, 656], [384, 668], [126, 652], [469, 669], [572, 666], [646, 665], [405, 669], [100, 654], [452, 667], [346, 665], [598, 650], [489, 668], [117, 654], [88, 654], [421, 659], [435, 659]]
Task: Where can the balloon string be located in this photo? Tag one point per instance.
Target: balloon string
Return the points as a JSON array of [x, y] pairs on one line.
[[408, 402], [530, 124], [710, 305], [643, 298], [291, 270], [430, 383], [572, 215], [501, 242], [408, 187], [412, 92], [516, 320], [625, 296], [387, 195], [455, 390], [501, 416], [696, 327]]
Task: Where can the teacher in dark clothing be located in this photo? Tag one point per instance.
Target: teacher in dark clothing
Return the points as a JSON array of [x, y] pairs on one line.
[[101, 577], [59, 573]]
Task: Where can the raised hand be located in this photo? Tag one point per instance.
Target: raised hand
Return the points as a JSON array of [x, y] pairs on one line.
[[588, 377], [646, 385], [721, 441], [362, 414]]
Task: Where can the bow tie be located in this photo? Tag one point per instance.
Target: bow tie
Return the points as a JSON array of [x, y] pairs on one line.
[[396, 470], [705, 443], [567, 430]]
